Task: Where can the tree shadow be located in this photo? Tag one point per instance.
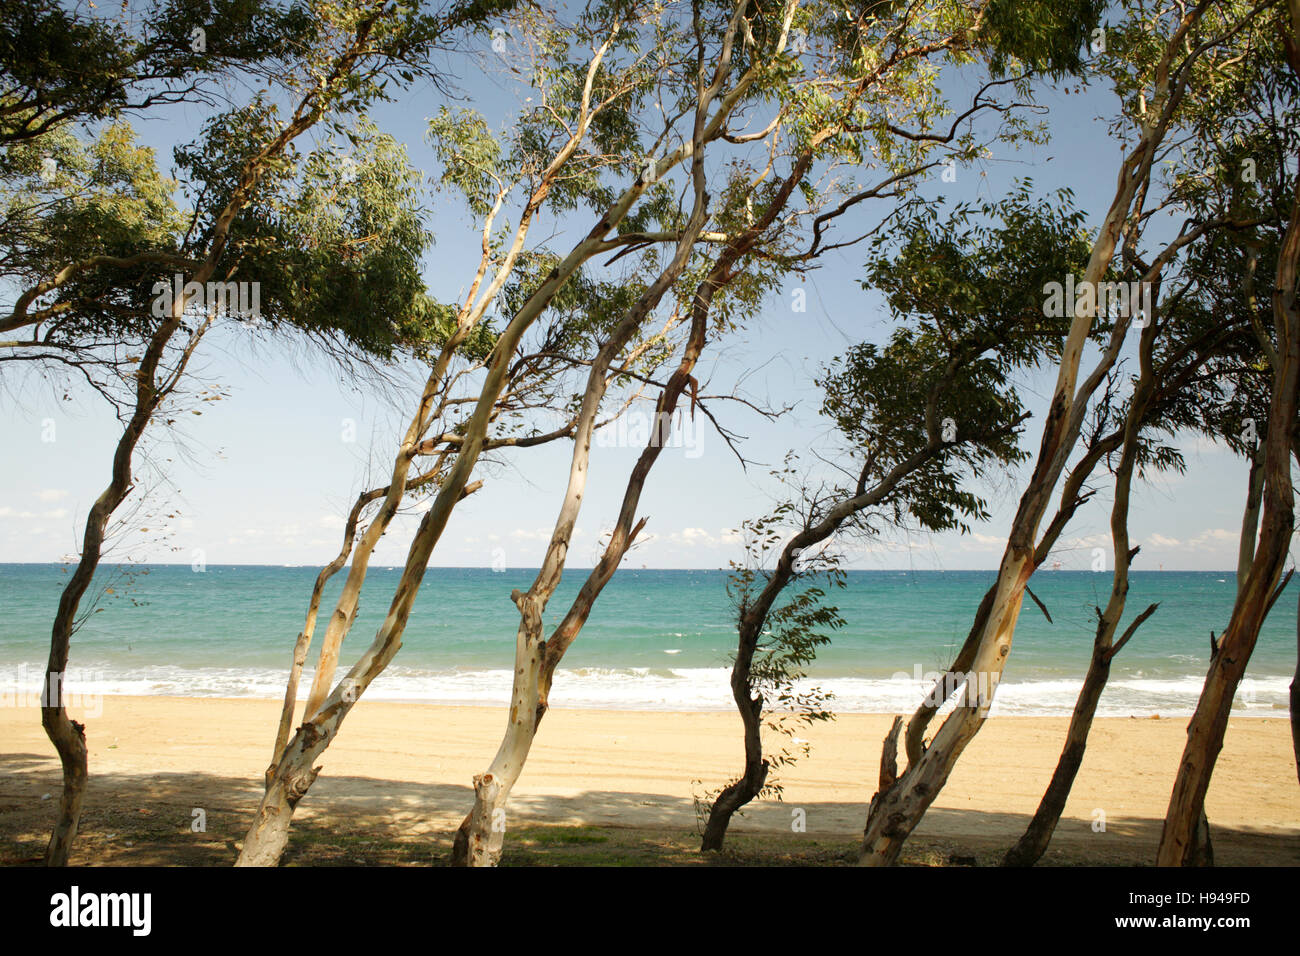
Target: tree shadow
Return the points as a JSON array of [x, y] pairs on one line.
[[199, 819]]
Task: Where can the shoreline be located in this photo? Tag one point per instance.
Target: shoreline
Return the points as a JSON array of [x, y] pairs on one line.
[[30, 699], [407, 768]]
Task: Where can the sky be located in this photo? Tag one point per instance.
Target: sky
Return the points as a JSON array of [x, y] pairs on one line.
[[267, 474]]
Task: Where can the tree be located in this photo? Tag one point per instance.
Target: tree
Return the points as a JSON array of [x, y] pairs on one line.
[[568, 152], [769, 668], [900, 804], [64, 67], [1178, 843], [238, 224], [923, 416], [864, 53], [1199, 369]]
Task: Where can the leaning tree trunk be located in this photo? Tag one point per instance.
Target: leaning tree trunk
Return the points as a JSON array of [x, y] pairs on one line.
[[67, 735], [1209, 723], [896, 811], [750, 783], [1295, 679], [1250, 517], [1205, 731], [1033, 843], [346, 608], [753, 621], [293, 772], [481, 835], [480, 838], [266, 840]]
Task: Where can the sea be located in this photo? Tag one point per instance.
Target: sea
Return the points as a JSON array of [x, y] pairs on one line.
[[657, 639]]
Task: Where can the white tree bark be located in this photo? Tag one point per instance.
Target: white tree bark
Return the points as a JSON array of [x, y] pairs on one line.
[[293, 774]]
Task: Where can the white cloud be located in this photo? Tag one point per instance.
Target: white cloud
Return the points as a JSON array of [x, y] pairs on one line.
[[1214, 536], [57, 514]]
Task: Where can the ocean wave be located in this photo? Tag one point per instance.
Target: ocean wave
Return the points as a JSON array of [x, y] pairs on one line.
[[659, 688]]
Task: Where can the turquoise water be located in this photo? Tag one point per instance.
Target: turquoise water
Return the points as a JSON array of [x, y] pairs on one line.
[[656, 640]]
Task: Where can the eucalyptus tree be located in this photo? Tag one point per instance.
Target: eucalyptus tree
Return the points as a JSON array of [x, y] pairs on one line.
[[920, 419], [870, 76], [1202, 364], [601, 134], [1185, 345], [118, 278], [65, 65], [1173, 53], [1262, 583], [480, 837]]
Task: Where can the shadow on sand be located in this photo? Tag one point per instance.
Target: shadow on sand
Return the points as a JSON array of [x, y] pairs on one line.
[[199, 819]]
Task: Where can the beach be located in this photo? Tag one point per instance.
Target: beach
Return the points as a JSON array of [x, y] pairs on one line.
[[402, 772]]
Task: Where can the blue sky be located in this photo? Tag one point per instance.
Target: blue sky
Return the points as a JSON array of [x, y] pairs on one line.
[[265, 476]]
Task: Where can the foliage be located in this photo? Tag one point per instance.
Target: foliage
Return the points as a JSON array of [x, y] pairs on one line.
[[793, 631]]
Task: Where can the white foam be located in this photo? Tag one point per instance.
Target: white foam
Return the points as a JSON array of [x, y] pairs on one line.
[[666, 689]]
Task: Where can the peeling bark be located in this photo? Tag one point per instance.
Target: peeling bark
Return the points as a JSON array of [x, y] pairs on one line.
[[303, 644], [536, 659]]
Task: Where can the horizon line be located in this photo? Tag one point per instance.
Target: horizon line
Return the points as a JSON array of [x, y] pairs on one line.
[[487, 567]]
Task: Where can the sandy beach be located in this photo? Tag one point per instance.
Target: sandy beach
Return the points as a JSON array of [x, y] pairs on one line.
[[405, 770]]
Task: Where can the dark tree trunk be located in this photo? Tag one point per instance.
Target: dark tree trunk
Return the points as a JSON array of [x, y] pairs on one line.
[[69, 739], [1033, 843], [740, 792], [68, 736], [1202, 853]]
